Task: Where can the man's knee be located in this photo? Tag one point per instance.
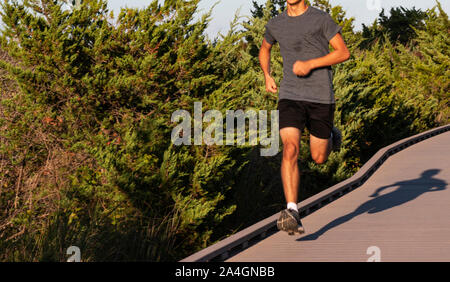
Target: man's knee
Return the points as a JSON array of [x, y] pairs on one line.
[[290, 151], [319, 158]]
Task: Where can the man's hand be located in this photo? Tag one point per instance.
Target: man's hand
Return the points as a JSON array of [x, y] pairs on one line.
[[338, 55], [271, 86], [302, 68]]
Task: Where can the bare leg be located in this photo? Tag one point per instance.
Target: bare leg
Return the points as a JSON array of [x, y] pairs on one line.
[[290, 175], [320, 149]]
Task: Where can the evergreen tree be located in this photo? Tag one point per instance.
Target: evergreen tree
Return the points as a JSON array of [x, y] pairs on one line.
[[399, 26], [107, 92]]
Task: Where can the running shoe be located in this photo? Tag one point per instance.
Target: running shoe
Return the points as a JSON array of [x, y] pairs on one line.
[[289, 221]]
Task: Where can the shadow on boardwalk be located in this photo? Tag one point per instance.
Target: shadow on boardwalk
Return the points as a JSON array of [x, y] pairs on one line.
[[407, 190]]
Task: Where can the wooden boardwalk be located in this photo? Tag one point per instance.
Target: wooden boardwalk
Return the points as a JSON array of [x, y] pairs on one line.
[[403, 210]]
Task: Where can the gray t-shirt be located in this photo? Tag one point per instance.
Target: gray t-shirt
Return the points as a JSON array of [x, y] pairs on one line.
[[303, 38]]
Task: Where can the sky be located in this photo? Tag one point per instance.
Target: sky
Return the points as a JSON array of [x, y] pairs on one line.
[[364, 11]]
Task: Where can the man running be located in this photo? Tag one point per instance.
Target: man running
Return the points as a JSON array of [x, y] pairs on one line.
[[306, 97]]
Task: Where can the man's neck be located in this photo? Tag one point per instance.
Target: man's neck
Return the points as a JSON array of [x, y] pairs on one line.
[[296, 9]]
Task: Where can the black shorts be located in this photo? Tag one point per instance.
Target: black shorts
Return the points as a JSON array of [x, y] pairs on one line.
[[318, 118]]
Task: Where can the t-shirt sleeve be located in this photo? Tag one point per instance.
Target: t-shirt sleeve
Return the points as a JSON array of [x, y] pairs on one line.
[[330, 28], [268, 36]]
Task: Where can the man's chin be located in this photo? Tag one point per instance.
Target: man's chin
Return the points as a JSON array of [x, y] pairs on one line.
[[294, 2]]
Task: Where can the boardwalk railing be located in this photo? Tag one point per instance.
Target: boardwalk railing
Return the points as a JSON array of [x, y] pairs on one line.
[[251, 235]]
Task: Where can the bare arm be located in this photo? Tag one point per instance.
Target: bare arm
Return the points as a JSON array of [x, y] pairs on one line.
[[264, 61], [338, 55]]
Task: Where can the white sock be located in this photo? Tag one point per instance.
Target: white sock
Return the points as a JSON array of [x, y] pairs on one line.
[[292, 205]]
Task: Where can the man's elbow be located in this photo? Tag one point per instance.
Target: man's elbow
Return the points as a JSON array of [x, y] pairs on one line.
[[345, 54]]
